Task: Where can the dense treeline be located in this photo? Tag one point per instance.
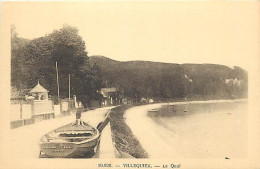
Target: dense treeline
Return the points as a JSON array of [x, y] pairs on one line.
[[36, 59], [165, 81]]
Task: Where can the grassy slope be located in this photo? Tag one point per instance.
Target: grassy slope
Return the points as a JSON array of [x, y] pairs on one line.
[[124, 140]]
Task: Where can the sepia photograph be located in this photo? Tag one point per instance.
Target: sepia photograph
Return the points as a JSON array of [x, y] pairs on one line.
[[130, 84]]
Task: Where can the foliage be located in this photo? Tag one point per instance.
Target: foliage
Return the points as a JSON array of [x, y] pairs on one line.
[[37, 60], [166, 81], [16, 62]]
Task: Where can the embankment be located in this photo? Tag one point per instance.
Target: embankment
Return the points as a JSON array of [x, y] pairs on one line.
[[125, 142]]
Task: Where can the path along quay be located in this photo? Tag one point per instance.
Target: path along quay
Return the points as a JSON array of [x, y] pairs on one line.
[[24, 140]]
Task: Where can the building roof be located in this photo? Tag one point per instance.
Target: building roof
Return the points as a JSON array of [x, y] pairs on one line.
[[105, 91], [111, 89], [38, 89]]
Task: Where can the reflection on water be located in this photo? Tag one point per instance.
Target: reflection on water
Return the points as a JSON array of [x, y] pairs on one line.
[[213, 130]]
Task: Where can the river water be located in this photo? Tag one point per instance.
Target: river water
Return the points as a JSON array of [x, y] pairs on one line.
[[197, 130]]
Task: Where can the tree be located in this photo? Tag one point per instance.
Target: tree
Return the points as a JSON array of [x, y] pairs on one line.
[[68, 49], [17, 76], [87, 84]]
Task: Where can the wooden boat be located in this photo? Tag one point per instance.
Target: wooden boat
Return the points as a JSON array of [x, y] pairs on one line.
[[77, 139]]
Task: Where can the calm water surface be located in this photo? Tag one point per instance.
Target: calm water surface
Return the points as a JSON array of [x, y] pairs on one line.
[[213, 130]]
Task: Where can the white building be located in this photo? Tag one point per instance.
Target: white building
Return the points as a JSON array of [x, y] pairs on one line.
[[39, 92]]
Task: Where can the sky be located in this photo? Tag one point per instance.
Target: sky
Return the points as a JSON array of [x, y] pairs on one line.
[[222, 32]]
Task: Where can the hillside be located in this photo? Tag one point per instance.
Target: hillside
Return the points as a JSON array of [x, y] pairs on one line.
[[137, 79]]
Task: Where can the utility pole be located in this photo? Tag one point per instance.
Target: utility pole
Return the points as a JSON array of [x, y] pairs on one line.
[[69, 86], [58, 81]]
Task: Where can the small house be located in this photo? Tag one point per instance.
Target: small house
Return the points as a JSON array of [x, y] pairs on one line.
[[110, 95]]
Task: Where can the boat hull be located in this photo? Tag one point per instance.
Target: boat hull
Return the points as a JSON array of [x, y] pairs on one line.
[[69, 150]]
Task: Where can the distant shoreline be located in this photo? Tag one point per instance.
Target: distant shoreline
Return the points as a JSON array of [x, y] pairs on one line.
[[207, 101]]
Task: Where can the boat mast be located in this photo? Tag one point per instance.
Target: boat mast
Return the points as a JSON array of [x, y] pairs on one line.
[[69, 86]]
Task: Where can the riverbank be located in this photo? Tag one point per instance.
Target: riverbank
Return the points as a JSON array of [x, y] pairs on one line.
[[125, 142]]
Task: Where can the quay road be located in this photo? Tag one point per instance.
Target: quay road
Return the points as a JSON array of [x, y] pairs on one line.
[[24, 140]]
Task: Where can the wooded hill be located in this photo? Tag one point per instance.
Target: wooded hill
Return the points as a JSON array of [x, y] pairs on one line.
[[168, 81], [35, 59]]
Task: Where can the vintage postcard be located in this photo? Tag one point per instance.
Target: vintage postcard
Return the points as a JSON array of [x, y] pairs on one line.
[[130, 84]]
